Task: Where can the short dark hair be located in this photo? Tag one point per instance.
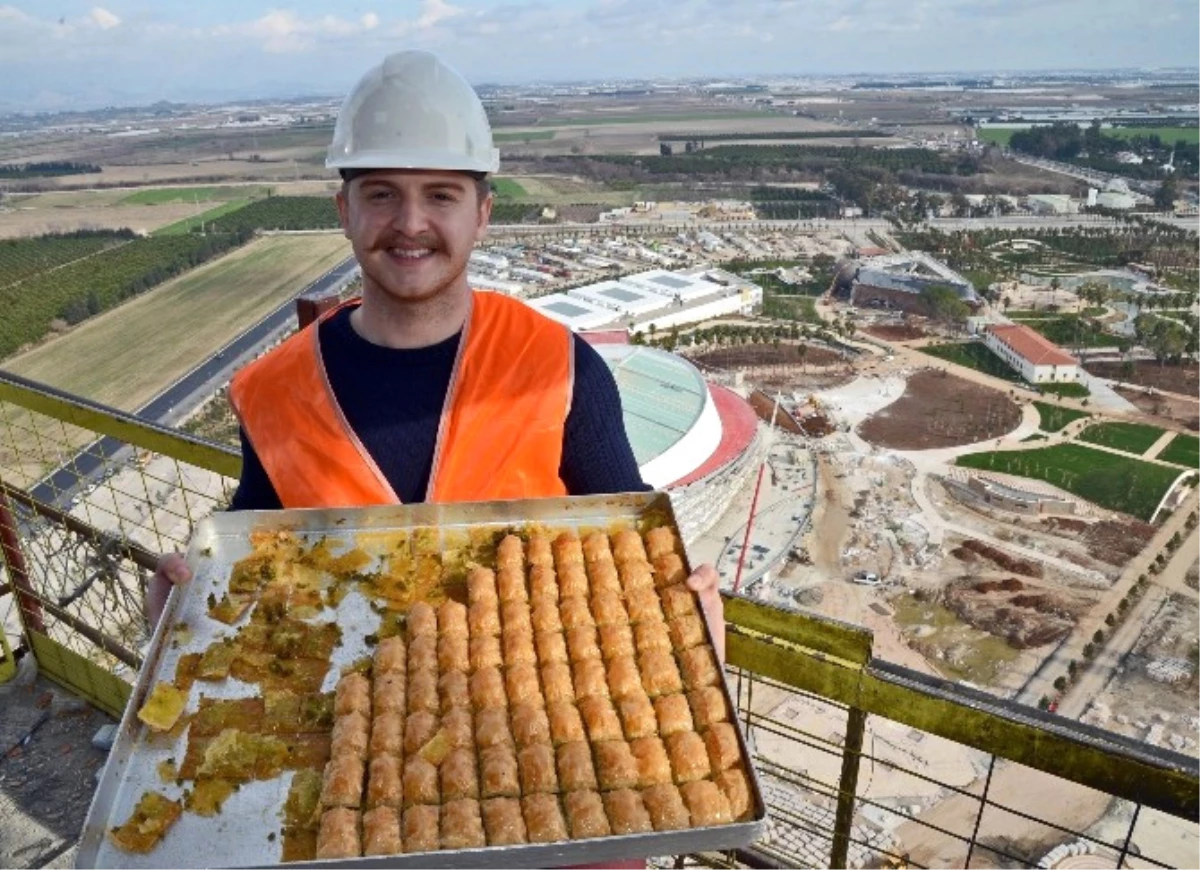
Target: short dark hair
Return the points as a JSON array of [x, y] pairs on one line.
[[483, 186]]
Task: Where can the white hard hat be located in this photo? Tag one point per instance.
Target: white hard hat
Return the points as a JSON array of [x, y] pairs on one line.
[[413, 112]]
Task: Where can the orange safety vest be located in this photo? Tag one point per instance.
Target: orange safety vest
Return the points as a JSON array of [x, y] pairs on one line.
[[501, 430]]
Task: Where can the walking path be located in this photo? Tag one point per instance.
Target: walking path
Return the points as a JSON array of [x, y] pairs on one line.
[[1072, 649], [1158, 446]]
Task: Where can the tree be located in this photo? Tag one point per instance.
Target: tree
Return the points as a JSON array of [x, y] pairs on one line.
[[1167, 193], [943, 304], [1060, 683]]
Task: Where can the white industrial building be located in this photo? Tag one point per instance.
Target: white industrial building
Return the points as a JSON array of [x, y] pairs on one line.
[[1036, 358], [576, 314], [656, 298], [629, 300]]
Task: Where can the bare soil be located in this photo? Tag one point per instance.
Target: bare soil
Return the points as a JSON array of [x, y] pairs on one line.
[[1163, 408], [1111, 541], [896, 332], [1174, 378], [1025, 615], [749, 355], [941, 410], [972, 551]]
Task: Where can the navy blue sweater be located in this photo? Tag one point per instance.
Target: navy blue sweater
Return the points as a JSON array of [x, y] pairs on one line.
[[393, 401]]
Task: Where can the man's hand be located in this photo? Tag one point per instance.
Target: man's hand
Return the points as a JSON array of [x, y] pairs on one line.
[[707, 586], [170, 571]]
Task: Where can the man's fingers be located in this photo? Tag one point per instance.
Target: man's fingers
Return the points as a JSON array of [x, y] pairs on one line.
[[704, 580], [174, 568]]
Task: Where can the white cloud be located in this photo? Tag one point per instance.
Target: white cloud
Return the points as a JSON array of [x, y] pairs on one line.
[[370, 21], [104, 19], [434, 12]]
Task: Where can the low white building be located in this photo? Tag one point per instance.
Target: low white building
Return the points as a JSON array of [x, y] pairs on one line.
[[576, 314], [1036, 358], [624, 297], [1051, 203]]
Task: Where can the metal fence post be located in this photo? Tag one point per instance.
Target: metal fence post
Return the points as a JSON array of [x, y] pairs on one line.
[[14, 560], [856, 726]]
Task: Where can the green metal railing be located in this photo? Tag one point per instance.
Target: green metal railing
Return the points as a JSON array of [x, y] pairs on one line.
[[77, 563]]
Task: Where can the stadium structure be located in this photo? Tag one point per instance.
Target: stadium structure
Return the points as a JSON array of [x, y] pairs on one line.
[[656, 299], [693, 438], [895, 281]]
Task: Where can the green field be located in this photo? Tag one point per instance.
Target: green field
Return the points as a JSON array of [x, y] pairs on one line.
[[1111, 481], [158, 195], [187, 225], [527, 136], [506, 188], [974, 355], [1182, 450], [1000, 136], [1055, 418], [1135, 438]]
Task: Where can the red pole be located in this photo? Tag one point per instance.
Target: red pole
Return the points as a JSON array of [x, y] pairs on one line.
[[14, 560], [737, 580]]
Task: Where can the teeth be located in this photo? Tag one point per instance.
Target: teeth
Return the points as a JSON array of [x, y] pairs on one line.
[[410, 255]]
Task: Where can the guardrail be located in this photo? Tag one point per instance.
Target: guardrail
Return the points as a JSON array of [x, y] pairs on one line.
[[865, 763]]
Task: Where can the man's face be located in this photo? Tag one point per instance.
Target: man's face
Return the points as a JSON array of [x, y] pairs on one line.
[[413, 230]]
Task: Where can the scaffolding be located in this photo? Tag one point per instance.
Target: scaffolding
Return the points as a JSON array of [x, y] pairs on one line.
[[851, 748]]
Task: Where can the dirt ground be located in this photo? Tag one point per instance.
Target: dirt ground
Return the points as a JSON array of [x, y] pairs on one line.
[[748, 355], [1163, 408], [896, 332], [941, 410], [1183, 379]]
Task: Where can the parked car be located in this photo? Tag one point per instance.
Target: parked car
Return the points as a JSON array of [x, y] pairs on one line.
[[866, 578]]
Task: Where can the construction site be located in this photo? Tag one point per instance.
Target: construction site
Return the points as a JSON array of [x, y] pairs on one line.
[[821, 471]]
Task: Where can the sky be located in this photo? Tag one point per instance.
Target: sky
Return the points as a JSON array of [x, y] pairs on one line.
[[63, 54]]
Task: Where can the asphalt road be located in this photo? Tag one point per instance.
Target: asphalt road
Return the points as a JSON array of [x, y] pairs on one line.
[[60, 486]]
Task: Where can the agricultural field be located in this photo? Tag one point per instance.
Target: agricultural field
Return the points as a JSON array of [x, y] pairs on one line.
[[203, 220], [126, 356], [1001, 135], [21, 259], [97, 283], [507, 188], [1106, 479], [1182, 450], [1135, 438], [160, 195], [974, 355], [1054, 418], [280, 213]]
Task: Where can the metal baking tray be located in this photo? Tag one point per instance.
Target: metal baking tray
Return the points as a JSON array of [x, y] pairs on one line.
[[248, 829]]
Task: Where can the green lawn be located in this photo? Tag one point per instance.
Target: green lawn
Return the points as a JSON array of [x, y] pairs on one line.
[[186, 225], [1054, 418], [1071, 330], [159, 195], [1133, 438], [506, 188], [974, 355], [1111, 481], [527, 136], [1182, 450]]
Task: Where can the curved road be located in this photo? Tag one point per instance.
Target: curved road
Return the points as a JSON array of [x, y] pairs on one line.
[[61, 485]]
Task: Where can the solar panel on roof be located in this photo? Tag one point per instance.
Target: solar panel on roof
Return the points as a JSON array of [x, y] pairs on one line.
[[621, 295], [670, 281], [566, 309]]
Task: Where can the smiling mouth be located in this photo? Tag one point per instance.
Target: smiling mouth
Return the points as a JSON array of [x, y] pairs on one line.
[[410, 253]]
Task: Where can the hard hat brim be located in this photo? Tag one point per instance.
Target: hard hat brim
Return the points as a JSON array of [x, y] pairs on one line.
[[432, 160]]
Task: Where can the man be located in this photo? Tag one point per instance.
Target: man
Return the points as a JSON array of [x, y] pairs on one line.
[[424, 390]]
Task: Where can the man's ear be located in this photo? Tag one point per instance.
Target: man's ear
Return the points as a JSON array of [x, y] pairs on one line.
[[484, 218]]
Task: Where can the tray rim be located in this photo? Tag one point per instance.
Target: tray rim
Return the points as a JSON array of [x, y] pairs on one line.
[[569, 511]]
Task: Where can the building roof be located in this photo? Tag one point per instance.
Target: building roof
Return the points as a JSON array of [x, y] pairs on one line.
[[625, 298], [662, 396], [573, 313], [1033, 347]]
